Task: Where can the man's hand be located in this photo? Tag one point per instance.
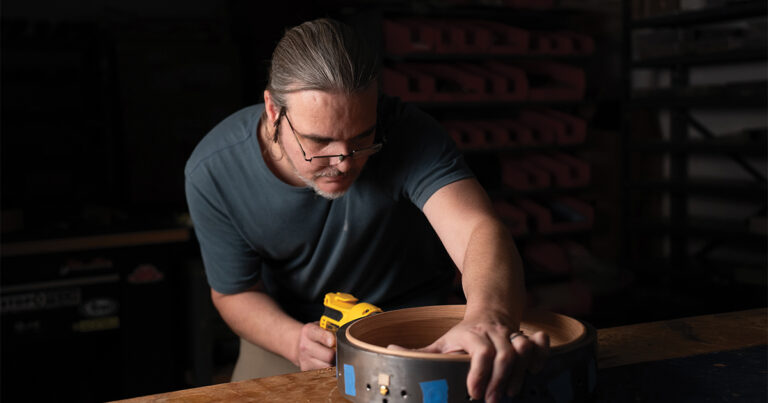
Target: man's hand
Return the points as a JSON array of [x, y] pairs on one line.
[[498, 364], [315, 348]]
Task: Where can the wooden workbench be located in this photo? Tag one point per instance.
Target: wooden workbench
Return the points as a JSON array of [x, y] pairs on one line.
[[618, 346]]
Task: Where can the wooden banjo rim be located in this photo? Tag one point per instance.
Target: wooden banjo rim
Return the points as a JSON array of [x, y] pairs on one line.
[[565, 332]]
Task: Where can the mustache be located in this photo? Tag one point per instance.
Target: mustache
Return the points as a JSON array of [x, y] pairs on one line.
[[330, 172]]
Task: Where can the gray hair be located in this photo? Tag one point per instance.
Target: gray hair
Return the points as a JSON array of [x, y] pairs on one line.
[[322, 55]]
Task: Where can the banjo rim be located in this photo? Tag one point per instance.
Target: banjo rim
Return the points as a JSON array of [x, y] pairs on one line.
[[565, 333]]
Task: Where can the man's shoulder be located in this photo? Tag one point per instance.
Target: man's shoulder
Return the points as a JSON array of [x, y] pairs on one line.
[[226, 137]]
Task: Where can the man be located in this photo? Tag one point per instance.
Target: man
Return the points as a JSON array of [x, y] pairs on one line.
[[329, 186]]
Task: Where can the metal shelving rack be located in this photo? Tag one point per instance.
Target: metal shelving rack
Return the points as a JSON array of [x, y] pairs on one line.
[[677, 265]]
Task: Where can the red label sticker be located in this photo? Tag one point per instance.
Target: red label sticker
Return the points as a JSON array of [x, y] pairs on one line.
[[145, 273]]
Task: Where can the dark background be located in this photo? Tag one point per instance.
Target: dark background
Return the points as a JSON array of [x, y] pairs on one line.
[[102, 103]]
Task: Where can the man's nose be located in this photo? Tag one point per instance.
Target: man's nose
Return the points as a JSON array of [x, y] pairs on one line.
[[342, 162], [345, 154]]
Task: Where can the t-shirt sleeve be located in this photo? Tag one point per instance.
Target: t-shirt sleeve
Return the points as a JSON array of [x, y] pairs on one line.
[[430, 159], [231, 266]]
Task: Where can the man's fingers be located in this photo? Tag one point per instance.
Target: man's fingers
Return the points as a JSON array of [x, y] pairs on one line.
[[482, 352], [502, 366], [498, 365], [435, 348], [316, 347], [318, 351], [540, 351], [523, 352], [320, 335]]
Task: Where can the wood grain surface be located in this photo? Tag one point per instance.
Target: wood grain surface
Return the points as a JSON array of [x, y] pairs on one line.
[[654, 341], [617, 346]]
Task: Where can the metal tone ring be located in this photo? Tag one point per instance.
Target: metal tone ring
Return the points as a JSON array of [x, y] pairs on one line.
[[363, 365]]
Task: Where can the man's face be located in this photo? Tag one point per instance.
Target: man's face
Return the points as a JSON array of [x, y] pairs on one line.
[[322, 124]]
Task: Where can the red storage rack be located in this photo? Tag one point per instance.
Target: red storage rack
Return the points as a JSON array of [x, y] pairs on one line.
[[575, 127], [489, 133], [582, 44], [543, 134], [554, 128], [524, 175], [551, 43], [477, 134], [579, 171], [452, 83], [563, 214], [423, 36], [561, 43], [505, 39], [462, 37], [499, 86], [463, 82], [403, 37], [518, 86], [453, 78], [549, 81], [408, 84], [519, 135], [567, 171], [495, 134], [514, 217], [464, 134]]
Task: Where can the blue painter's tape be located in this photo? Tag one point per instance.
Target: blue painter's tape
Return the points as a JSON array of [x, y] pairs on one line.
[[349, 380], [434, 391], [560, 388]]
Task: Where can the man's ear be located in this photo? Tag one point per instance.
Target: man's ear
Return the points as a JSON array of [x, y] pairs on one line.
[[273, 111]]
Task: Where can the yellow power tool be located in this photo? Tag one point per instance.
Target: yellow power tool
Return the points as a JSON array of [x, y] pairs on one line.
[[342, 308]]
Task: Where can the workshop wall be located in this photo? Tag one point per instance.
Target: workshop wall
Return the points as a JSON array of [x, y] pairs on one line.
[[103, 295]]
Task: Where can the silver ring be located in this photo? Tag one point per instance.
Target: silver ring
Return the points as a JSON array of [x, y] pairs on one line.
[[516, 334]]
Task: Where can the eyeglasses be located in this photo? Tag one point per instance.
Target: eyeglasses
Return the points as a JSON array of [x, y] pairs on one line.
[[325, 160]]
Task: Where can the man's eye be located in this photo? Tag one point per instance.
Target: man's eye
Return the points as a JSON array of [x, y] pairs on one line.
[[321, 142]]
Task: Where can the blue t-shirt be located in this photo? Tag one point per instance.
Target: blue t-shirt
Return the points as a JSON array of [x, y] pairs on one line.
[[374, 242]]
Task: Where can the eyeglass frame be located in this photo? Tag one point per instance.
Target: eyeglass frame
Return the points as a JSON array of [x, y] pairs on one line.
[[376, 147]]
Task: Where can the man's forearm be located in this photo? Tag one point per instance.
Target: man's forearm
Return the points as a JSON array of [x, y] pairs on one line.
[[492, 273], [256, 317]]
